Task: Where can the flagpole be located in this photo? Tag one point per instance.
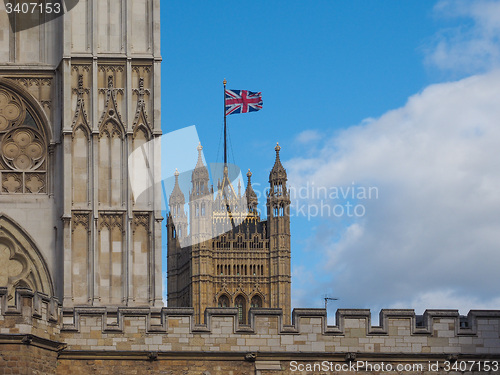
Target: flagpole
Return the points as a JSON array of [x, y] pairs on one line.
[[225, 132], [228, 208]]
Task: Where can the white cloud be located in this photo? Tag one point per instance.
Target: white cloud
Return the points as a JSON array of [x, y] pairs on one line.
[[448, 299], [308, 136], [467, 47], [433, 234]]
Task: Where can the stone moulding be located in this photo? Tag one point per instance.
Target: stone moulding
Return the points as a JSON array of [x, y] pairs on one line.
[[33, 340]]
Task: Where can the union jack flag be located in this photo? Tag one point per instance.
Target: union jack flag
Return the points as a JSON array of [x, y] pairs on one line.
[[242, 101]]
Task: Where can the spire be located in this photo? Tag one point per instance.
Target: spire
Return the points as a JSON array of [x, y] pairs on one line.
[[199, 163], [200, 171], [177, 198], [278, 172], [251, 197]]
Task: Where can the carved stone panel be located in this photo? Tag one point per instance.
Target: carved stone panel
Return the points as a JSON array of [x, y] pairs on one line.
[[110, 256], [140, 254], [80, 257]]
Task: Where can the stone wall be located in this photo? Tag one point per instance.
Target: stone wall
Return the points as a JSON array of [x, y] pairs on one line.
[[20, 358], [37, 332]]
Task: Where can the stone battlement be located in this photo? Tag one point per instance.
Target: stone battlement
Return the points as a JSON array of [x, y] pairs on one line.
[[29, 313], [122, 329]]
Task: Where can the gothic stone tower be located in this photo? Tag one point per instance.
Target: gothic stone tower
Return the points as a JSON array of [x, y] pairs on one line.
[[220, 264], [77, 95]]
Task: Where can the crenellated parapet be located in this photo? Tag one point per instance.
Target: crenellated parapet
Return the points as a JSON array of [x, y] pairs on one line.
[[174, 329], [30, 318], [49, 335], [146, 329]]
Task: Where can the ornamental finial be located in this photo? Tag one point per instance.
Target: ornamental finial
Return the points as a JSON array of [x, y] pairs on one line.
[[224, 82], [277, 148], [249, 174], [176, 173], [199, 147]]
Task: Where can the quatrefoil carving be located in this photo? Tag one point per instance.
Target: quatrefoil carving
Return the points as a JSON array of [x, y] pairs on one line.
[[23, 149]]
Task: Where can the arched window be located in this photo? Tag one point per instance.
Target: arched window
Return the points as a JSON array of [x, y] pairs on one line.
[[22, 265], [223, 301], [239, 302], [256, 301], [23, 146]]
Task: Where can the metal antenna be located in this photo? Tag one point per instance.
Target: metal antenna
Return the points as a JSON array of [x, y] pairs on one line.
[[329, 299]]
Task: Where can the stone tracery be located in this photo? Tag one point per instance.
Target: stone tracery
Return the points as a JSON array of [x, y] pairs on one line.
[[21, 263], [23, 147]]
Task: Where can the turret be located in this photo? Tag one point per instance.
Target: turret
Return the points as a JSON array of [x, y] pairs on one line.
[[278, 200], [200, 202], [177, 235], [278, 217], [200, 218]]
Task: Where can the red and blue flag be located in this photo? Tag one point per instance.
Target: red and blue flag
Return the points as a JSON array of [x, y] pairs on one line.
[[242, 101]]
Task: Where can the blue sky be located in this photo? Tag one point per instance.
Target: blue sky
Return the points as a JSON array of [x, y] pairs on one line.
[[359, 94]]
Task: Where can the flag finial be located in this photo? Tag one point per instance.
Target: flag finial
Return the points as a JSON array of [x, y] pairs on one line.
[[224, 82]]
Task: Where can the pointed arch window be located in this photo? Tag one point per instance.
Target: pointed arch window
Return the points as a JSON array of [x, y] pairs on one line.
[[23, 146], [223, 301], [22, 264], [256, 301], [239, 302]]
